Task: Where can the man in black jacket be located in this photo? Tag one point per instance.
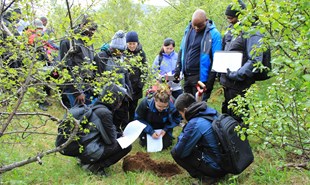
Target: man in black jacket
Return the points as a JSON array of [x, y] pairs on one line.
[[78, 53], [237, 82]]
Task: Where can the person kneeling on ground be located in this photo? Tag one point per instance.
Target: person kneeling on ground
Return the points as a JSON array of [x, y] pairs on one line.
[[196, 149], [158, 112], [98, 155]]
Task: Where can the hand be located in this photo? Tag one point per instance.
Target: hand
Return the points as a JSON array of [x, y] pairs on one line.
[[155, 135], [177, 75], [80, 99], [162, 133], [231, 74]]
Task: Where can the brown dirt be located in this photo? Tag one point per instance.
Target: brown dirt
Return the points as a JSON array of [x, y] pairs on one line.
[[142, 162]]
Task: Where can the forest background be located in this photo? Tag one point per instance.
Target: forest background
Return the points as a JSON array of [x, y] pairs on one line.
[[279, 107]]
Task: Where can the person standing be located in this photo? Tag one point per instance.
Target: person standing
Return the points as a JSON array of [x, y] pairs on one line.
[[165, 62], [197, 149], [111, 61], [200, 41], [77, 52], [237, 82], [135, 57]]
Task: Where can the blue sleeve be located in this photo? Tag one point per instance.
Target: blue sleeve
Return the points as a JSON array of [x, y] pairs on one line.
[[141, 114], [247, 69], [187, 140], [216, 42], [174, 118]]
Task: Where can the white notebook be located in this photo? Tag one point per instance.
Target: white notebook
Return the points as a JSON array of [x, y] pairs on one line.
[[226, 59]]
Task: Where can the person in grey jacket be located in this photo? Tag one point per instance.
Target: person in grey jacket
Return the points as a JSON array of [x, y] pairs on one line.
[[102, 149], [237, 82]]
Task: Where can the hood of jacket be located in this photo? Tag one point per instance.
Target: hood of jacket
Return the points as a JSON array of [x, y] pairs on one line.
[[199, 109], [112, 96]]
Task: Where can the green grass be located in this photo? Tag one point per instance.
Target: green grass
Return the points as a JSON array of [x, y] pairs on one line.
[[59, 169]]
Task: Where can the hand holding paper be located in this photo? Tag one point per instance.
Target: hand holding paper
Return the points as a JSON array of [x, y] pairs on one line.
[[131, 133]]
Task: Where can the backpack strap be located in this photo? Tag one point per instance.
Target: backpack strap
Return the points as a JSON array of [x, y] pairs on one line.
[[160, 60]]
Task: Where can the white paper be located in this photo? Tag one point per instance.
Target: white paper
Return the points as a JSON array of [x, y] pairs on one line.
[[226, 59], [154, 145], [131, 133]]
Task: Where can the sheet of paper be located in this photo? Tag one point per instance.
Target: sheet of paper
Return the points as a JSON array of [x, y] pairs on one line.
[[131, 133], [154, 145], [226, 59]]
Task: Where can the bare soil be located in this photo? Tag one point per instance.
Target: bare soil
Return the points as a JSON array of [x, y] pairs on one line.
[[142, 162]]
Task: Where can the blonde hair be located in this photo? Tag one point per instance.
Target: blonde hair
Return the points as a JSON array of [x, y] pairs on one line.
[[162, 93]]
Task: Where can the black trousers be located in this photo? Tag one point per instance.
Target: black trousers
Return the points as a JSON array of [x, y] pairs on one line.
[[230, 94], [190, 83], [132, 109], [195, 166], [112, 154], [167, 140]]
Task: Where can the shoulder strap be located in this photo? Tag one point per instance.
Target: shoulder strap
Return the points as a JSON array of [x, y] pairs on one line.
[[160, 60]]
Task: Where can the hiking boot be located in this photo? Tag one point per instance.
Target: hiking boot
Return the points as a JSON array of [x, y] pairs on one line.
[[95, 169]]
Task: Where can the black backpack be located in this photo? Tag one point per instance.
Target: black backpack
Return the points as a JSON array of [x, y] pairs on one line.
[[66, 127], [236, 155], [263, 74]]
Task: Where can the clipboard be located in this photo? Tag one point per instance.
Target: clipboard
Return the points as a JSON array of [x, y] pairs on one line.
[[223, 60]]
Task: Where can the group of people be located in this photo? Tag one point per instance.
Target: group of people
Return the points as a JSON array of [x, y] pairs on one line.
[[196, 149]]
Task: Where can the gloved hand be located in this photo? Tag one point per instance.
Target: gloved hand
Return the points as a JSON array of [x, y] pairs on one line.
[[233, 75], [176, 77]]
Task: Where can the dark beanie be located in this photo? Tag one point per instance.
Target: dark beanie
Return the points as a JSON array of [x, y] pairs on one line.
[[132, 36], [234, 11]]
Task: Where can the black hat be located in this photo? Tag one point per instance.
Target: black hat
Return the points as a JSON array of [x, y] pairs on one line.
[[132, 36], [234, 11]]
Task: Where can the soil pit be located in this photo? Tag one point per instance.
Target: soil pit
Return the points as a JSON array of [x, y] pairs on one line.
[[142, 162]]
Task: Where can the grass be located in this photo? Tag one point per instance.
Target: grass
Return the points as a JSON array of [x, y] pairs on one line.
[[59, 169]]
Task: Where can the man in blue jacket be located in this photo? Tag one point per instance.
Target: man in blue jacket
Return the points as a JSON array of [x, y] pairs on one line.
[[201, 39], [197, 150]]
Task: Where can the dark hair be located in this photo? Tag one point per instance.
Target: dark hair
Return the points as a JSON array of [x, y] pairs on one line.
[[167, 42], [183, 101]]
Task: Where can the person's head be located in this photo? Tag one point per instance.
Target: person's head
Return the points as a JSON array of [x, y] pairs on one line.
[[168, 46], [88, 26], [44, 20], [132, 40], [233, 11], [37, 23], [183, 102], [113, 95], [199, 20], [118, 43], [162, 97]]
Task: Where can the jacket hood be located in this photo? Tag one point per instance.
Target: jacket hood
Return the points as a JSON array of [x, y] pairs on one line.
[[112, 96], [198, 109]]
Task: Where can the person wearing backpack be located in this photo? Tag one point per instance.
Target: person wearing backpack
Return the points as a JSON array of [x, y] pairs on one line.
[[237, 82], [100, 147], [165, 63], [76, 52], [158, 112], [197, 149], [111, 59]]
